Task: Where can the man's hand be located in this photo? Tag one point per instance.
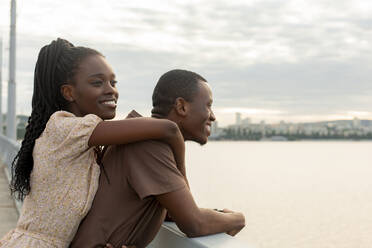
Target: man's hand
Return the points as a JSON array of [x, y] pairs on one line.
[[168, 217], [240, 215], [110, 246], [195, 221]]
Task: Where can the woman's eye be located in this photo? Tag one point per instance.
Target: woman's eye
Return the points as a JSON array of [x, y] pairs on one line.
[[97, 83]]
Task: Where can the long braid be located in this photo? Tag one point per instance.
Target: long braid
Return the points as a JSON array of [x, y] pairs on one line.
[[56, 65]]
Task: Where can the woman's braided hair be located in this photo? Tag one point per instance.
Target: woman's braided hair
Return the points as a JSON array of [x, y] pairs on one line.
[[56, 65]]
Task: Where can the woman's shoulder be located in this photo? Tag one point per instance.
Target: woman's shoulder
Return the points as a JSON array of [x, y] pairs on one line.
[[64, 127], [65, 116], [61, 115], [65, 121]]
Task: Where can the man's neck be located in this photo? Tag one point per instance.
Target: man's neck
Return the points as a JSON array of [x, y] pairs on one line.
[[158, 116], [170, 117]]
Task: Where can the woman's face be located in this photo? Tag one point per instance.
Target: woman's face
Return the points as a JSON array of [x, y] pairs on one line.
[[93, 90]]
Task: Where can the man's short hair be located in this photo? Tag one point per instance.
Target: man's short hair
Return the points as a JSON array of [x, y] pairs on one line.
[[171, 85]]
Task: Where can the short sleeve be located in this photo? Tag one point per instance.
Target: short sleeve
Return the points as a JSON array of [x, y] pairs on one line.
[[67, 130], [152, 168]]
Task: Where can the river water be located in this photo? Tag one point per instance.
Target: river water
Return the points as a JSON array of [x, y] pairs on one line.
[[293, 194]]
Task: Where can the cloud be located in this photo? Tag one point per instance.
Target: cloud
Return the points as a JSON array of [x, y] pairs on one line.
[[298, 57]]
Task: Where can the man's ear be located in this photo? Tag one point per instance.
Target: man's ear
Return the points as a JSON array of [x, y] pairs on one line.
[[67, 92], [181, 106]]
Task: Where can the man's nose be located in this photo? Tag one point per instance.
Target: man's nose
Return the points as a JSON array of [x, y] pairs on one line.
[[212, 117]]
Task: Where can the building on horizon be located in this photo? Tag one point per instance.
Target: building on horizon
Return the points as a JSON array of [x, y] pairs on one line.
[[238, 118]]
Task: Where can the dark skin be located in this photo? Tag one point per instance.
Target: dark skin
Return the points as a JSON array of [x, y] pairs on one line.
[[93, 91], [194, 120]]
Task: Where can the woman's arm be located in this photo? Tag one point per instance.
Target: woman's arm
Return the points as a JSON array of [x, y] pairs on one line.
[[138, 129]]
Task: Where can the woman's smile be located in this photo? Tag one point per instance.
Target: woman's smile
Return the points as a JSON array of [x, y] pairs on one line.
[[109, 103]]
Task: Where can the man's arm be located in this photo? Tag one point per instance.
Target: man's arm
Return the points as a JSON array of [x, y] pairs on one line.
[[154, 173], [195, 221]]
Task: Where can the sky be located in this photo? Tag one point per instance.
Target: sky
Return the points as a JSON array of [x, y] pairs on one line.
[[272, 60]]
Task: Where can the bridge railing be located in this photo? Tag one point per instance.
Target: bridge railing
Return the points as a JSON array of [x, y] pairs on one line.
[[169, 235], [8, 150]]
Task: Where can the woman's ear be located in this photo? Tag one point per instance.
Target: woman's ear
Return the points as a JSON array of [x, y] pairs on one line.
[[67, 92], [181, 106]]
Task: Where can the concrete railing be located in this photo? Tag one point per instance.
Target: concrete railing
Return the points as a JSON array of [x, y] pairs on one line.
[[8, 150], [169, 235]]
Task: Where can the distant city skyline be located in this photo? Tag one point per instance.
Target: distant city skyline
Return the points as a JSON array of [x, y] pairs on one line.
[[272, 60], [245, 129], [251, 118]]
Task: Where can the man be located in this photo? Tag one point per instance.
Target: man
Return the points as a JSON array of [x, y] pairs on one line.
[[142, 180]]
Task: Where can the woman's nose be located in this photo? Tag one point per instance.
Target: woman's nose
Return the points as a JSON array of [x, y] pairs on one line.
[[109, 88]]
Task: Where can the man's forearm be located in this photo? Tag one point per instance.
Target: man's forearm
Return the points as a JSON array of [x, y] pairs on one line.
[[212, 222], [195, 221]]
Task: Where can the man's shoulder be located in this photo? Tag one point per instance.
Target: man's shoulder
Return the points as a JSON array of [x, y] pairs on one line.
[[153, 145], [150, 149]]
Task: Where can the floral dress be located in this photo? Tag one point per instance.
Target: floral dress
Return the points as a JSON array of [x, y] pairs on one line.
[[64, 181]]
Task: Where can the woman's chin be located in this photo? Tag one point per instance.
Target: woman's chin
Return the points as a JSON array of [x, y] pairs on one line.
[[108, 116]]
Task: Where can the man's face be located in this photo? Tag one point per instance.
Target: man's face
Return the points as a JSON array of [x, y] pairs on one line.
[[196, 125]]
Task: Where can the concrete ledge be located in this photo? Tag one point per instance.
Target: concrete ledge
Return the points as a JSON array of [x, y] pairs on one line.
[[8, 213], [8, 150], [170, 236]]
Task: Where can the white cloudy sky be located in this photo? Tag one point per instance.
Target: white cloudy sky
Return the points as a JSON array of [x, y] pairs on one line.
[[294, 60]]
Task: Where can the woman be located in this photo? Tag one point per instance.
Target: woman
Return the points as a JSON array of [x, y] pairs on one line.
[[56, 171]]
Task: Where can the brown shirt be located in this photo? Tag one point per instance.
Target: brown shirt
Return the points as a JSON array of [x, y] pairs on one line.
[[125, 210]]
